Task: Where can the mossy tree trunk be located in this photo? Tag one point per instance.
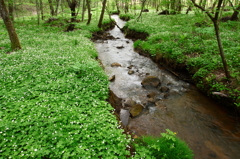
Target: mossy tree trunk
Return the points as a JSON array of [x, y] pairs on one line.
[[15, 44]]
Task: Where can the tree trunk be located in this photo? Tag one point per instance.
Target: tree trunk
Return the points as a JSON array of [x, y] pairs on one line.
[[102, 13], [72, 4], [234, 16], [83, 10], [58, 4], [89, 11], [15, 44], [11, 9], [143, 4], [216, 27], [51, 7], [117, 5], [37, 9], [214, 19], [41, 9]]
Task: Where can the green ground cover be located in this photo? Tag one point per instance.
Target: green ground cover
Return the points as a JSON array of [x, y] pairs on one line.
[[53, 94], [177, 38]]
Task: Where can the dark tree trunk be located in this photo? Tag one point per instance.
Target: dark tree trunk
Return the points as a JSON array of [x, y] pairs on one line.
[[51, 7], [73, 5], [234, 16], [102, 13], [15, 44], [189, 9], [41, 9], [89, 11]]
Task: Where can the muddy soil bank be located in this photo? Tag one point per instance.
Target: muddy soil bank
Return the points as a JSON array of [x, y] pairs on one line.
[[181, 71]]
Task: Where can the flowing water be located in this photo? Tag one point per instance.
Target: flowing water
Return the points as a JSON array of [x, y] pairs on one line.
[[207, 128]]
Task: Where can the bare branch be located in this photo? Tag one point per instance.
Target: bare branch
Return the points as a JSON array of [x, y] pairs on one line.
[[204, 10]]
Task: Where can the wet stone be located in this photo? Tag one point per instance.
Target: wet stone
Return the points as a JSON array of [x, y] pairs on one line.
[[151, 95], [130, 67], [129, 103], [112, 78], [150, 81], [120, 47], [136, 110], [164, 89], [130, 72], [115, 64], [151, 100]]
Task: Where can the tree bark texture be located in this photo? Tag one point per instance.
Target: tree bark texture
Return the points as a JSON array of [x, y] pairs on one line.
[[15, 44]]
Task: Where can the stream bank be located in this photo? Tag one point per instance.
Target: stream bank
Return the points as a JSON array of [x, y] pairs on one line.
[[169, 103], [183, 72]]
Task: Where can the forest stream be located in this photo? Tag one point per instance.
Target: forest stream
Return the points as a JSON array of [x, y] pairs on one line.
[[166, 103]]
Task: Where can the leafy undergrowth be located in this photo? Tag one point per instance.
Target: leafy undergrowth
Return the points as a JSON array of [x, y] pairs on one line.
[[190, 41], [168, 146], [53, 97]]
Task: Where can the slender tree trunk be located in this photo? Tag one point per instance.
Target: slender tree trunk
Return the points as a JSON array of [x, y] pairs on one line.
[[89, 11], [216, 27], [37, 9], [11, 9], [41, 9], [83, 10], [58, 4], [117, 5], [15, 44], [217, 32], [51, 7], [102, 13], [143, 4]]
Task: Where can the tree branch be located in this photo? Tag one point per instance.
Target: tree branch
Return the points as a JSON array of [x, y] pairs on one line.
[[204, 10]]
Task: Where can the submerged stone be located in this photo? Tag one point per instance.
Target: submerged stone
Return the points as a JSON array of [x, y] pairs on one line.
[[129, 103], [164, 89], [115, 64], [130, 72], [136, 110], [150, 81], [112, 78]]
